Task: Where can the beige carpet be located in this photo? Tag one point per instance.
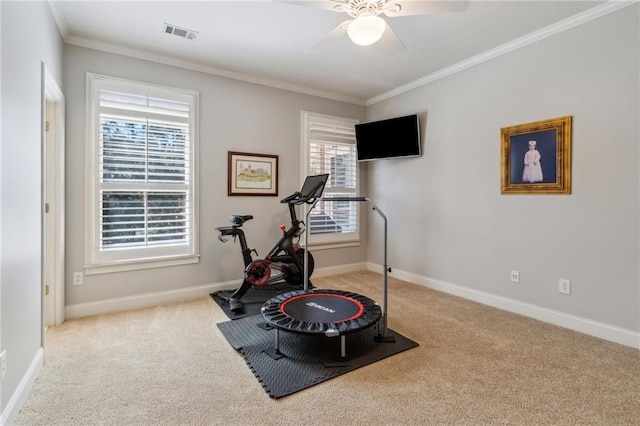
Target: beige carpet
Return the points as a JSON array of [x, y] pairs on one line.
[[475, 366]]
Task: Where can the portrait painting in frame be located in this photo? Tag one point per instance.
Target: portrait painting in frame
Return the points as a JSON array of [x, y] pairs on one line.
[[536, 157]]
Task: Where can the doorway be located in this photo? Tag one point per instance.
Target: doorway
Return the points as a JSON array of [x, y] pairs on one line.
[[53, 195]]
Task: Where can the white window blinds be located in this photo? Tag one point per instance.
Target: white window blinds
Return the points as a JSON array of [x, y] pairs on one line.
[[144, 173], [331, 149]]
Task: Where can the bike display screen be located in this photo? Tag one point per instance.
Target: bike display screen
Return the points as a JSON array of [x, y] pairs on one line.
[[313, 186]]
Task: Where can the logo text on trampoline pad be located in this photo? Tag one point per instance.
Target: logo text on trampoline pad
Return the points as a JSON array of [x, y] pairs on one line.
[[323, 308]]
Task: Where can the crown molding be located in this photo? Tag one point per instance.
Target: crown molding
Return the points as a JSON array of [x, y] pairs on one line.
[[190, 65], [551, 30], [587, 16], [63, 28], [196, 66]]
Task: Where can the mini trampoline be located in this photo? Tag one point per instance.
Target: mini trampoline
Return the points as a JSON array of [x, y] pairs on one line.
[[321, 312], [330, 313], [318, 312]]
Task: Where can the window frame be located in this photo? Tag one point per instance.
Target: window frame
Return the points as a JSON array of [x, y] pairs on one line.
[[334, 239], [125, 259]]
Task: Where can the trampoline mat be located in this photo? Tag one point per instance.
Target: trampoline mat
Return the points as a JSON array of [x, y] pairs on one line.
[[253, 299], [307, 359]]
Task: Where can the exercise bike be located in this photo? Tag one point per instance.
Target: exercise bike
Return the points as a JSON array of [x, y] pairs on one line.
[[285, 261]]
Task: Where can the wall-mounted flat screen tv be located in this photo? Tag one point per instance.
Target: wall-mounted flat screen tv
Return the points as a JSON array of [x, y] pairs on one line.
[[390, 138]]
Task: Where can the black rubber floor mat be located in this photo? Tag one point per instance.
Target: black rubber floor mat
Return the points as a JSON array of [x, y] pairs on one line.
[[253, 299], [306, 358]]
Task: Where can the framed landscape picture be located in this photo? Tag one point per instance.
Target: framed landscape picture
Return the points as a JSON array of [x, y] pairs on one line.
[[536, 157], [252, 174]]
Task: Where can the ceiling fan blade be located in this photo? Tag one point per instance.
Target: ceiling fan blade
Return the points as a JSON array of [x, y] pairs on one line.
[[331, 39], [424, 7], [331, 5], [389, 43]]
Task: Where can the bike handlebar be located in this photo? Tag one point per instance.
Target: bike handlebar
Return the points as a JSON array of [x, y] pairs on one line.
[[291, 197], [344, 199], [298, 198], [311, 190]]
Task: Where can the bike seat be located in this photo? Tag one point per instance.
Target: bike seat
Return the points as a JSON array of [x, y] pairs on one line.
[[237, 219]]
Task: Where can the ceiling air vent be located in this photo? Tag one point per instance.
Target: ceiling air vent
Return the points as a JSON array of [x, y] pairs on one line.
[[180, 32]]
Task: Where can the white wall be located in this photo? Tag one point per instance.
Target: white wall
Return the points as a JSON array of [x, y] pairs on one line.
[[451, 226], [234, 116], [23, 53]]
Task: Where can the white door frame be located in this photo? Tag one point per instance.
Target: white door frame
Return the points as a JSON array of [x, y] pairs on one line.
[[1, 347], [53, 194]]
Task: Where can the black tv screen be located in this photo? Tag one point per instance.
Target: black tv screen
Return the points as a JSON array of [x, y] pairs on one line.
[[390, 138]]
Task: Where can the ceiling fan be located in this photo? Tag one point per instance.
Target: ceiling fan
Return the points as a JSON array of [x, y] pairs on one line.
[[367, 27]]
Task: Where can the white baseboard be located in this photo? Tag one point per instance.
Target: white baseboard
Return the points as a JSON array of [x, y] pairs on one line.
[[572, 322], [340, 269], [10, 412], [144, 300], [151, 299]]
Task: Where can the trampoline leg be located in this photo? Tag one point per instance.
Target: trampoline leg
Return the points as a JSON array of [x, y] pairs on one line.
[[275, 352], [343, 355]]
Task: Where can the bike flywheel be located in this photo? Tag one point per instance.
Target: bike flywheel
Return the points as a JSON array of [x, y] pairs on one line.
[[258, 273]]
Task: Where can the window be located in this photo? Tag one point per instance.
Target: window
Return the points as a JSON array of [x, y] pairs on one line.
[[329, 146], [143, 209]]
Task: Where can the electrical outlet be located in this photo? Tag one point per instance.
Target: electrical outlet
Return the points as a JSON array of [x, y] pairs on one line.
[[77, 278], [515, 276], [564, 286], [3, 364]]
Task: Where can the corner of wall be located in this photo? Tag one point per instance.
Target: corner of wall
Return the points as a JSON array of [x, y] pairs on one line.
[[10, 412]]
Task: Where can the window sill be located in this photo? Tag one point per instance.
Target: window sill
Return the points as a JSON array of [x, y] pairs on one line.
[[334, 245], [108, 268]]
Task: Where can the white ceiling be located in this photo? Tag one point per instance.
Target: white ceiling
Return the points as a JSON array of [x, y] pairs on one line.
[[265, 41]]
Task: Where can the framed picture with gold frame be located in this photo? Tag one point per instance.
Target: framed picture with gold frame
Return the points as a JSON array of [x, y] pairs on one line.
[[252, 174], [536, 157]]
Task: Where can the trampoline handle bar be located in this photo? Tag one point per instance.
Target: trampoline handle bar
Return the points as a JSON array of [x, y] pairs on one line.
[[383, 328], [344, 199], [306, 245]]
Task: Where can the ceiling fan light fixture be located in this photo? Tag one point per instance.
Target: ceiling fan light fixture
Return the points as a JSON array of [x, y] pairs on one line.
[[366, 30]]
